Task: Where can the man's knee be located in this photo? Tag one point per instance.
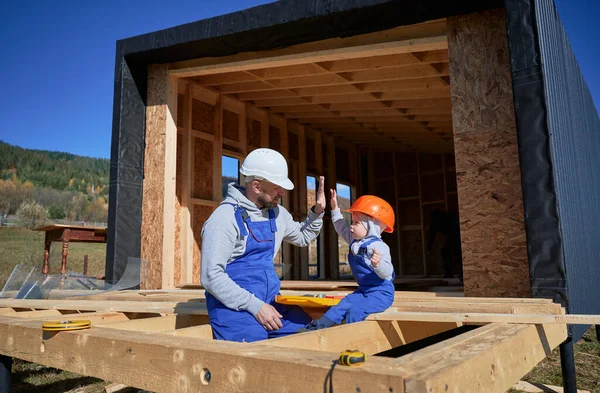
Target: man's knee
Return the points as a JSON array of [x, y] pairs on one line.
[[241, 330]]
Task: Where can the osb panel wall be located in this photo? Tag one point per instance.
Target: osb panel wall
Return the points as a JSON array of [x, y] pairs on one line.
[[153, 212], [253, 130], [487, 163], [203, 174], [203, 116], [274, 138], [230, 125]]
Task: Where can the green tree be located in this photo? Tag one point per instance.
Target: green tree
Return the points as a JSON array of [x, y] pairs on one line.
[[56, 212]]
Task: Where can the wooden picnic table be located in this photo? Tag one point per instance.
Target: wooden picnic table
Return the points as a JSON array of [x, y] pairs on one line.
[[67, 234]]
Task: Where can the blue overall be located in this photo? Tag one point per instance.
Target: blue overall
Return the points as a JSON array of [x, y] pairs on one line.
[[373, 295], [254, 272]]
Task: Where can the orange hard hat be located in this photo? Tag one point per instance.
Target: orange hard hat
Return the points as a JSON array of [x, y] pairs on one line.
[[375, 207]]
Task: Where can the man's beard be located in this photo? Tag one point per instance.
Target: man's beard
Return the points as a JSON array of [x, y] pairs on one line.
[[267, 205]]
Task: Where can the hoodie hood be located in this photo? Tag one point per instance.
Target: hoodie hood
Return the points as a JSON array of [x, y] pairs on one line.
[[235, 195], [374, 229]]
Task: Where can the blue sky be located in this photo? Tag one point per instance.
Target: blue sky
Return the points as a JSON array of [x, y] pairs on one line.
[[57, 62]]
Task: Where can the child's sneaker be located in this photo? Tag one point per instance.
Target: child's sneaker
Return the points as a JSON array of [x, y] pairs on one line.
[[317, 324]]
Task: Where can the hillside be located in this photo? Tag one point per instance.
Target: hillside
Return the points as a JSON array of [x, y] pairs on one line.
[[38, 185], [56, 170]]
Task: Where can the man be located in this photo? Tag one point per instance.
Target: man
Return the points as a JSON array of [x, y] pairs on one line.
[[447, 224], [239, 241]]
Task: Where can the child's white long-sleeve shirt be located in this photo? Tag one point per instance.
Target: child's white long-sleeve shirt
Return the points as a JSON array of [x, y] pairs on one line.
[[385, 270]]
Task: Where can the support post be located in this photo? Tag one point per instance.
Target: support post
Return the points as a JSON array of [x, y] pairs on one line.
[[5, 374], [567, 365]]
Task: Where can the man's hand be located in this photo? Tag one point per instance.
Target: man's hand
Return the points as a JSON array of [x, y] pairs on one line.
[[269, 318], [321, 201], [333, 201], [375, 259]]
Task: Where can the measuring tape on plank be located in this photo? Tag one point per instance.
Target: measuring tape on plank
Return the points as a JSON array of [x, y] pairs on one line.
[[59, 326]]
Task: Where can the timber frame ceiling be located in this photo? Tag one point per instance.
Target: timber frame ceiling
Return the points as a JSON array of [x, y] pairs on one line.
[[375, 98]]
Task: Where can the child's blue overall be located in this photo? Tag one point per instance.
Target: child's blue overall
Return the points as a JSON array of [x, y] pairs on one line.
[[254, 272], [373, 295]]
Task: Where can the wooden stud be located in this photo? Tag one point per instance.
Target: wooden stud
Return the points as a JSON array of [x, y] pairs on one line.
[[333, 266], [369, 337], [423, 229], [302, 193], [187, 234], [218, 150], [243, 132], [158, 206]]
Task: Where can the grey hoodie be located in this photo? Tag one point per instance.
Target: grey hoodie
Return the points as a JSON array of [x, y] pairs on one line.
[[222, 243], [385, 268]]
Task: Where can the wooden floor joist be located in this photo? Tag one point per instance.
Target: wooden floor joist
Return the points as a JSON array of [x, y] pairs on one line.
[[167, 346]]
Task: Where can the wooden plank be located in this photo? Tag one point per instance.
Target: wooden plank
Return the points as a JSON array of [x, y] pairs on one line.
[[233, 105], [187, 233], [302, 192], [225, 78], [494, 244], [36, 314], [158, 205], [189, 308], [483, 318], [93, 317], [370, 63], [204, 202], [202, 331], [243, 132], [292, 71], [158, 324], [423, 229], [370, 337], [487, 359], [398, 73], [387, 42], [333, 268], [218, 150], [208, 96], [166, 363]]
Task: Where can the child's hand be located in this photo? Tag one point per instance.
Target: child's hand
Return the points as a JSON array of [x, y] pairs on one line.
[[333, 200], [375, 259]]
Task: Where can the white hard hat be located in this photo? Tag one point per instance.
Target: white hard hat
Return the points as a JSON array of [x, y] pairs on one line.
[[267, 164]]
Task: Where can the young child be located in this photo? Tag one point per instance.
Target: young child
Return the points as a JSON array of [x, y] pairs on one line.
[[369, 259]]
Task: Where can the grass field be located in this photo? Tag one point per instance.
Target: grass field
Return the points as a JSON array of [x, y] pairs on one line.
[[18, 245], [22, 246]]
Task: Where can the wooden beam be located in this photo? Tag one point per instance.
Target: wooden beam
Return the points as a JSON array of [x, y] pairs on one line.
[[218, 150], [202, 331], [480, 360], [167, 363], [204, 202], [370, 337], [158, 324], [188, 308], [333, 266], [302, 192], [36, 314], [158, 205], [387, 42], [187, 234], [243, 132], [482, 318]]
